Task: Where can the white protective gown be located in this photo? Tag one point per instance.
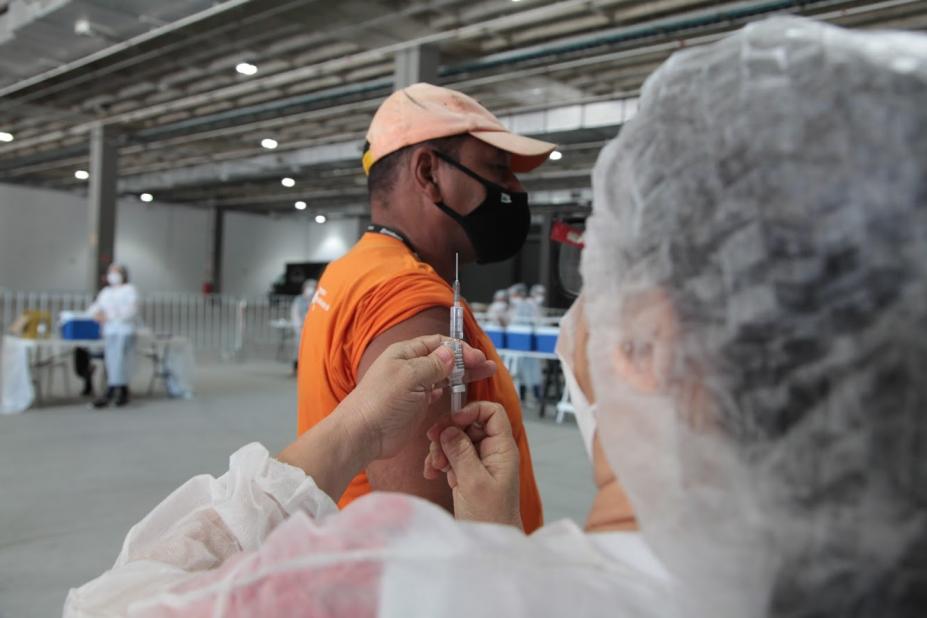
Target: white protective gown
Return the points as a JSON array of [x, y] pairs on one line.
[[263, 540]]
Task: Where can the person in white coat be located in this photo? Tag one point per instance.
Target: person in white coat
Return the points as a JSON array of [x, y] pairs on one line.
[[755, 292], [116, 309], [525, 312]]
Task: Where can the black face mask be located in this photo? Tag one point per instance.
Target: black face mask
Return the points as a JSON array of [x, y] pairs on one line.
[[498, 227]]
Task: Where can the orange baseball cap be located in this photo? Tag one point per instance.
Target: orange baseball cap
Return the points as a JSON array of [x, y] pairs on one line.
[[422, 112]]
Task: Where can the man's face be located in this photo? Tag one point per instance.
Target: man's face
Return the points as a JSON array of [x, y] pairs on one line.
[[463, 193]]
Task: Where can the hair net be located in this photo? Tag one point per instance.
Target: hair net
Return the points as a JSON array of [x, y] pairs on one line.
[[501, 296], [519, 289], [756, 273], [538, 290]]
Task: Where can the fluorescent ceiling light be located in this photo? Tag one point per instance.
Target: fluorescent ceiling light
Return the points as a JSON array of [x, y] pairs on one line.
[[300, 205], [146, 197], [82, 174], [6, 137], [269, 143], [246, 68], [320, 219], [287, 182], [556, 155]]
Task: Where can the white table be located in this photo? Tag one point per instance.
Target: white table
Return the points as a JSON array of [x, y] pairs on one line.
[[22, 361]]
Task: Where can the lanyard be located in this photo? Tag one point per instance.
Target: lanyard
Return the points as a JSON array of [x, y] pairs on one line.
[[386, 231]]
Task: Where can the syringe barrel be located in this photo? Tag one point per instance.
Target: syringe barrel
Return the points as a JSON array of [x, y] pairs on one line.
[[457, 322], [458, 398]]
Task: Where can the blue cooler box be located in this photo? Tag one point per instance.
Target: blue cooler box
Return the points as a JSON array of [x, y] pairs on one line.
[[496, 335], [545, 338], [80, 329], [519, 337]]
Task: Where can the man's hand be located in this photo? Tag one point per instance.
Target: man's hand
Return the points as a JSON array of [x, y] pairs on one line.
[[476, 450]]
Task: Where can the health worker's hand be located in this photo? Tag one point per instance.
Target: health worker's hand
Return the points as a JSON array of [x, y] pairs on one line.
[[477, 451], [393, 397]]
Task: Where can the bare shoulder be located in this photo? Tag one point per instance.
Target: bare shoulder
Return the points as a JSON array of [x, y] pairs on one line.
[[428, 322]]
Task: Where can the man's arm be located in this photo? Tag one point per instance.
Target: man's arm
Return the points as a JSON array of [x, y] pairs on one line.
[[403, 473]]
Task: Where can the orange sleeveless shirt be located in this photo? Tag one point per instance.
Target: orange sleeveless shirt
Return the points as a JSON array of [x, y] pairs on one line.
[[380, 283]]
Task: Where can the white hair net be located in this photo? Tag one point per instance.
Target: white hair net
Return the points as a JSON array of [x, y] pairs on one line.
[[501, 296], [756, 270]]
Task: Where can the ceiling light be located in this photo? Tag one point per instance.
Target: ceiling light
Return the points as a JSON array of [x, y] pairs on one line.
[[246, 68], [269, 143], [556, 155], [6, 137], [146, 197], [287, 182], [300, 205], [320, 219], [82, 174]]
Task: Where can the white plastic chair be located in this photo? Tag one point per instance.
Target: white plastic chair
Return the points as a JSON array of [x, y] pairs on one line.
[[565, 406]]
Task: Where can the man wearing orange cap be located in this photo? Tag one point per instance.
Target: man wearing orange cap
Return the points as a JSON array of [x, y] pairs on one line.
[[441, 178]]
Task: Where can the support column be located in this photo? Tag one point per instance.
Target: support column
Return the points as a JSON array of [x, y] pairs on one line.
[[416, 64], [104, 156], [218, 234]]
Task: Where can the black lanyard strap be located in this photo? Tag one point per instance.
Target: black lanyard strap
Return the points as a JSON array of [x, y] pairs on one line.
[[388, 231]]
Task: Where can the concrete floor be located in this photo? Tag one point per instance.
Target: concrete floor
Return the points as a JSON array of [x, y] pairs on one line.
[[73, 481]]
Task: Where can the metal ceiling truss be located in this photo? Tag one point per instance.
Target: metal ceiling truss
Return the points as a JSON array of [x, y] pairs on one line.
[[191, 127]]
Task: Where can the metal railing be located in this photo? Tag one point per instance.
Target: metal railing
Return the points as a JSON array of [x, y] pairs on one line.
[[227, 326]]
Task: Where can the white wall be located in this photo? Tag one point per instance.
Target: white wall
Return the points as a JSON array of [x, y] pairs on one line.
[[43, 242], [167, 248], [257, 247]]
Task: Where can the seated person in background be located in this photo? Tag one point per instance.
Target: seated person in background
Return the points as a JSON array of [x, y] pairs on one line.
[[298, 311], [116, 309], [756, 295]]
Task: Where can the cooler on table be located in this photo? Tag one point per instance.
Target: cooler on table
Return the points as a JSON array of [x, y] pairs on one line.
[[496, 334], [518, 337], [545, 338], [80, 328]]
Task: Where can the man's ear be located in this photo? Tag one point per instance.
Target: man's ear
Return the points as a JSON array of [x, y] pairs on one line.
[[423, 166]]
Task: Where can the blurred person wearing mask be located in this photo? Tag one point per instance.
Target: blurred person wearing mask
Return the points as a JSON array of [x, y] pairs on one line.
[[442, 181], [520, 310], [525, 312], [116, 309], [298, 311], [498, 310], [754, 378], [538, 297]]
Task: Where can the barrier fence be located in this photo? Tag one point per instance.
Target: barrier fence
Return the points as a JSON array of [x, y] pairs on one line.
[[226, 326]]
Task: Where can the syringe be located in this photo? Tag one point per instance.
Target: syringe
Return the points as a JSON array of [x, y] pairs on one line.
[[456, 379]]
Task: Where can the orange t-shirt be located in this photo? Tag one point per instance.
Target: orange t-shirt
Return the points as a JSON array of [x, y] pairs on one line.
[[380, 283]]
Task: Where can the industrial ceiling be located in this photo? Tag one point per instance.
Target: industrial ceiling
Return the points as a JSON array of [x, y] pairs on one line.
[[168, 76]]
